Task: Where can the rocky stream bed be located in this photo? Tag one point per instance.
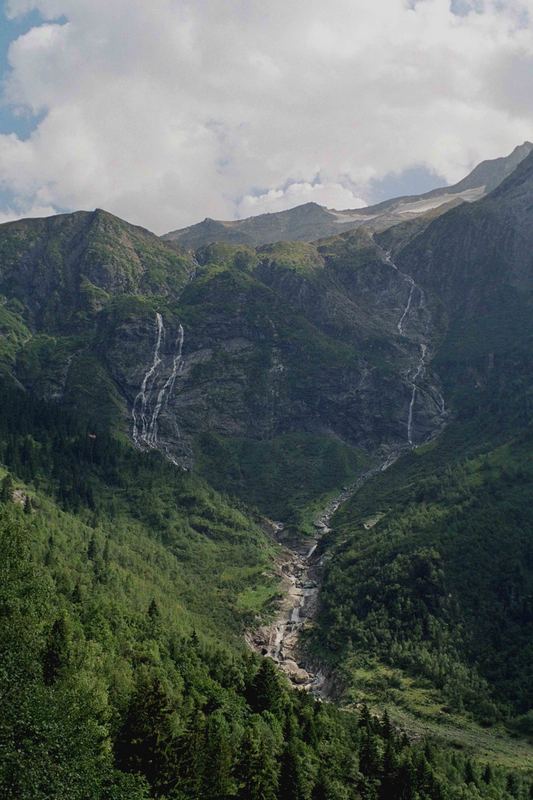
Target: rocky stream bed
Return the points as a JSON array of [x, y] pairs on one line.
[[300, 570]]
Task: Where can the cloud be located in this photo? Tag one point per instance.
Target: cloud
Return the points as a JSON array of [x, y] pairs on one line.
[[332, 195], [10, 214], [168, 112]]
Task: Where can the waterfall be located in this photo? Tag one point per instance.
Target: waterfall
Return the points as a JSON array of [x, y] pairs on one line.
[[441, 403], [438, 399], [143, 396], [166, 390], [412, 284], [407, 307], [147, 405], [419, 371]]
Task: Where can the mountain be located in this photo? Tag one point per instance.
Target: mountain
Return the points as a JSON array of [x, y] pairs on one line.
[[225, 355], [430, 573], [372, 392], [310, 221]]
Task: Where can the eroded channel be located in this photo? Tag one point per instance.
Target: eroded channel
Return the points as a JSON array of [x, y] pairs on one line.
[[301, 570]]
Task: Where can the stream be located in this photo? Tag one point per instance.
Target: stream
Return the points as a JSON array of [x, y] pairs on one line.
[[301, 569]]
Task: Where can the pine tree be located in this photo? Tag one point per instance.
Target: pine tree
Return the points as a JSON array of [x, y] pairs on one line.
[[57, 651], [219, 779], [513, 784], [92, 548], [191, 765], [386, 728], [488, 776], [469, 774], [105, 554], [6, 489], [143, 741], [49, 555], [265, 692], [153, 609], [369, 755], [390, 766], [291, 783], [76, 593], [259, 765]]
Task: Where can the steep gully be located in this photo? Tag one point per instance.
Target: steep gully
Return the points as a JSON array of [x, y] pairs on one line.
[[302, 567]]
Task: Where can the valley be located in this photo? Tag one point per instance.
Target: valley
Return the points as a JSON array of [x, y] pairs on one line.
[[300, 569], [368, 386]]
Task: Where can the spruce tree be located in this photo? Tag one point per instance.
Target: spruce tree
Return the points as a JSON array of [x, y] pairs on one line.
[[265, 692], [57, 651], [488, 776], [6, 489]]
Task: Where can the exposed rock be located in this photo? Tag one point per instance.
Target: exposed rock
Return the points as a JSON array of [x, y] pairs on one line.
[[297, 674]]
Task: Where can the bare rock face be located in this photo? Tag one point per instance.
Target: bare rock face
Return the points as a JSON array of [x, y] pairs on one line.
[[296, 674], [279, 349]]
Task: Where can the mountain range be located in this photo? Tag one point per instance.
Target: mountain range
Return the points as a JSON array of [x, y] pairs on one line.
[[182, 412], [310, 221]]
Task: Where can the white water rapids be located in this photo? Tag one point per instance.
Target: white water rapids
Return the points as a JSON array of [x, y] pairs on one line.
[[155, 390]]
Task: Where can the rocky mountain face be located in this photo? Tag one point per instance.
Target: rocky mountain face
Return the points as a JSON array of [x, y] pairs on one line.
[[344, 342], [430, 563], [476, 263], [239, 343], [310, 221]]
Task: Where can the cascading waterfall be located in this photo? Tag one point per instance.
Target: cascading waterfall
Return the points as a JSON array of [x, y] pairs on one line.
[[149, 401], [166, 390], [418, 373], [421, 366], [143, 396], [407, 307], [412, 285]]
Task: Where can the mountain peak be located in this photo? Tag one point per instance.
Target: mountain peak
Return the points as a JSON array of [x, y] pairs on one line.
[[311, 221]]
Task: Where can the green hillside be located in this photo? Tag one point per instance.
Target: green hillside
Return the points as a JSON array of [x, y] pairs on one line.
[[109, 692], [161, 407]]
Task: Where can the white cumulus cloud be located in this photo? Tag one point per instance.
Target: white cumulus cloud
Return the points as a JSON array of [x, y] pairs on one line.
[[170, 111], [332, 195]]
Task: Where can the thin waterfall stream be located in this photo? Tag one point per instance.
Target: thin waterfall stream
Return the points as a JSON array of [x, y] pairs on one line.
[[423, 358], [156, 389]]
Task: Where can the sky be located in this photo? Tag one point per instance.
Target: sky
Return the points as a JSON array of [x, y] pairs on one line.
[[169, 111]]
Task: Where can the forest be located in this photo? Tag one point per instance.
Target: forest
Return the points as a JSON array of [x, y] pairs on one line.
[[114, 681]]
